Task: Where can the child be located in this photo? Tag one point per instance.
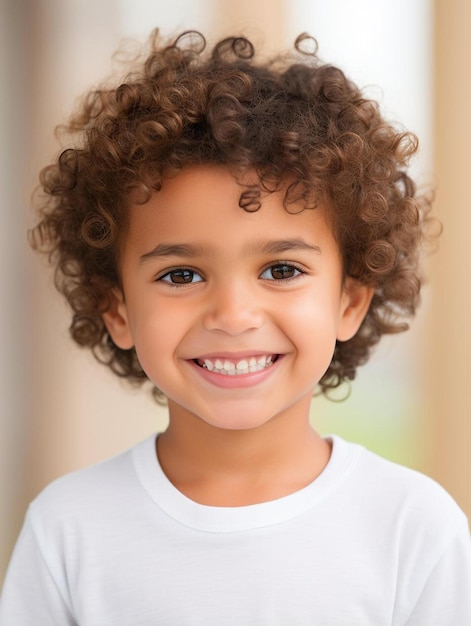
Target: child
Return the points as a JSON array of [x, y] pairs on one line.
[[239, 234]]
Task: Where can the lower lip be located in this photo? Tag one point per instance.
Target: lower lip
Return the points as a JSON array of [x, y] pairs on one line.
[[237, 381]]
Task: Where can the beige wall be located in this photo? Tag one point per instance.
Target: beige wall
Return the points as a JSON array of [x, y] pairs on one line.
[[449, 335], [264, 21], [16, 340]]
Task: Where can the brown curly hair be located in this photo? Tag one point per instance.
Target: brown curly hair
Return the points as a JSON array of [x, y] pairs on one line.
[[290, 118]]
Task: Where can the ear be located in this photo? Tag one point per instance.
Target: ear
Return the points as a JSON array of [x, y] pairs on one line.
[[356, 299], [116, 320]]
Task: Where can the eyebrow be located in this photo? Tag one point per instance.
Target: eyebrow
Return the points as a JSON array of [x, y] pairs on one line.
[[174, 249], [277, 246], [186, 250]]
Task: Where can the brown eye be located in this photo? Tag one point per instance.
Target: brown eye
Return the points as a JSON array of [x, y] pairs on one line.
[[281, 271], [181, 276]]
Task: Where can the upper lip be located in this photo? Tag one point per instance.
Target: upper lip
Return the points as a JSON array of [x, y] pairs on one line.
[[235, 356]]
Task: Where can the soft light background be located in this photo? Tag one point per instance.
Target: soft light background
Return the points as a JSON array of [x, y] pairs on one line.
[[58, 409]]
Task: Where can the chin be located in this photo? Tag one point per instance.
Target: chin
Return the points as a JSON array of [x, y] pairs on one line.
[[236, 423]]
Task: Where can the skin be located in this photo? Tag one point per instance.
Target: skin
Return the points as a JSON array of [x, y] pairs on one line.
[[236, 292]]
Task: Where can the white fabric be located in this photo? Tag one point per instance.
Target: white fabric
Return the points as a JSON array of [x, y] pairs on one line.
[[368, 543]]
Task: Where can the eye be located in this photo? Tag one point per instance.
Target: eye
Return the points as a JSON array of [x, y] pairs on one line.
[[181, 276], [281, 271]]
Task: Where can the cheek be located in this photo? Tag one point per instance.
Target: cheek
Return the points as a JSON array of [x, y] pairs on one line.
[[311, 326], [158, 330], [313, 314]]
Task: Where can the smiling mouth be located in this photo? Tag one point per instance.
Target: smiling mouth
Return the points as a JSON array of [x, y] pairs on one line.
[[227, 367]]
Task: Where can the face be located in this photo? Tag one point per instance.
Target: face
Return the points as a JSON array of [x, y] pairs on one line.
[[233, 315]]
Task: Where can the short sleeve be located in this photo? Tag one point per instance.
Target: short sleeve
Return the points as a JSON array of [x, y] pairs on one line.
[[445, 599], [30, 595]]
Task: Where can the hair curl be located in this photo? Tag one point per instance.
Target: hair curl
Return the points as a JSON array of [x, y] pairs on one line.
[[292, 118]]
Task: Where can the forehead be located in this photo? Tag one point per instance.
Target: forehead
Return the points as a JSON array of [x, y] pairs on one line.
[[203, 202]]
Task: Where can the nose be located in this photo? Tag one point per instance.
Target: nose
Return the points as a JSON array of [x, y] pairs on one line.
[[233, 310]]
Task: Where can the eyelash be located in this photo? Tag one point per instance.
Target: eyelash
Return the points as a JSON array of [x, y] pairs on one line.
[[181, 270], [166, 278], [285, 265]]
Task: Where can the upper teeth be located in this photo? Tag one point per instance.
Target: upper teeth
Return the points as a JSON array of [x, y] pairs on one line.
[[244, 366]]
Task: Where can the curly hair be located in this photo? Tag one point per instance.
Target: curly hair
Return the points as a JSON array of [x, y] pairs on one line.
[[291, 118]]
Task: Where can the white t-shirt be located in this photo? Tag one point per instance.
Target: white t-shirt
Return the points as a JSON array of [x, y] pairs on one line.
[[368, 543]]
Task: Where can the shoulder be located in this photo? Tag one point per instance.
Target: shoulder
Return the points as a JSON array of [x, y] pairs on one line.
[[409, 497], [102, 486]]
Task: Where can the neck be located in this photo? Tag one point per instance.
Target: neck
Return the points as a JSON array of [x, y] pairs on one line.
[[222, 467]]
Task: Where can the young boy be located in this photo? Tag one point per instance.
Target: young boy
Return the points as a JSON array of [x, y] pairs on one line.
[[239, 234]]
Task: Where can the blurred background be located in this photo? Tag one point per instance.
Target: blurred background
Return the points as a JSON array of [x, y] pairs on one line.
[[59, 410]]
